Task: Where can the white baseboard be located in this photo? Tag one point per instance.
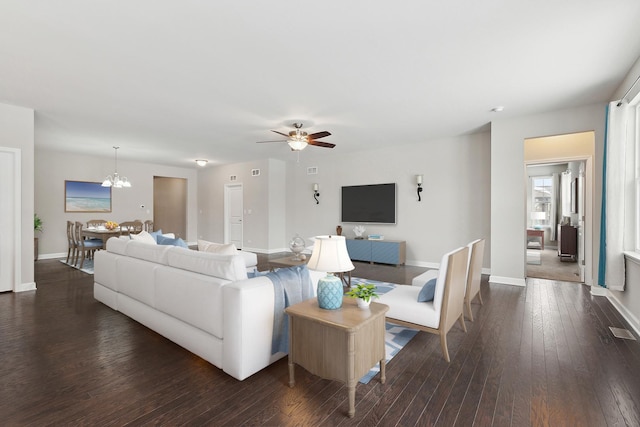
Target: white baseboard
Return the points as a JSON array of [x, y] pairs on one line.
[[416, 263], [23, 287], [502, 280], [52, 256], [624, 312]]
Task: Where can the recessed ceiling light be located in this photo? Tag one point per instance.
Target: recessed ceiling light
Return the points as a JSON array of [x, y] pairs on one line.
[[497, 109]]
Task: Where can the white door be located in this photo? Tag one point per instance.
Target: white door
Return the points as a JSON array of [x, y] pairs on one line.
[[233, 214], [581, 222], [7, 221]]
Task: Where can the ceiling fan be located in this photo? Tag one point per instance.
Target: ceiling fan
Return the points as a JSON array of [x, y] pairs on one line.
[[299, 139]]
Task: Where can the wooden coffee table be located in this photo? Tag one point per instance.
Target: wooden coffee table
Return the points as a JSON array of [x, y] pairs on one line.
[[342, 344], [289, 261]]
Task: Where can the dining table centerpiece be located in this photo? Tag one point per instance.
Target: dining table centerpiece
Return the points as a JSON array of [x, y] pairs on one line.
[[110, 225]]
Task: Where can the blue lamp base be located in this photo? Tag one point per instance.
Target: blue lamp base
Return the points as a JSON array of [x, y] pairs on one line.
[[330, 292]]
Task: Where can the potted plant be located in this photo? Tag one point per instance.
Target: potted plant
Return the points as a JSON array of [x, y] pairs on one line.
[[364, 293], [37, 226]]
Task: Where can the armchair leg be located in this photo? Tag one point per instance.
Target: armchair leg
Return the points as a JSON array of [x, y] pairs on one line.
[[480, 297], [445, 350], [469, 312], [461, 319]]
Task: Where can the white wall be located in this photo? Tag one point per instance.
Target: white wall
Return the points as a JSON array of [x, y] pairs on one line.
[[455, 206], [17, 131], [54, 167], [508, 187], [263, 203]]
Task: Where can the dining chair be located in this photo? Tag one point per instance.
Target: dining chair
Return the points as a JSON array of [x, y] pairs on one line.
[[95, 223], [131, 226], [71, 242], [85, 247]]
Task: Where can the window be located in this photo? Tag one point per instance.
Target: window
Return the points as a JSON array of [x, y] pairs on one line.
[[541, 192]]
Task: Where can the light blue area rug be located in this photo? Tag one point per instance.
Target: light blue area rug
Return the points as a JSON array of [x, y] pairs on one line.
[[87, 266], [396, 336]]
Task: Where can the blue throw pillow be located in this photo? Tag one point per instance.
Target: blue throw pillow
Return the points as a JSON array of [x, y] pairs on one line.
[[256, 273], [175, 242], [428, 291], [155, 234]]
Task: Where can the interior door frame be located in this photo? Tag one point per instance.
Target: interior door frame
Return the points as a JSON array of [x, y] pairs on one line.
[[227, 215], [586, 269], [16, 188]]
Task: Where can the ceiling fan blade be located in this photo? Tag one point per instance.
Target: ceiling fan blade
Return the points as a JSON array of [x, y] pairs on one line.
[[319, 135], [280, 133], [276, 140], [321, 144]]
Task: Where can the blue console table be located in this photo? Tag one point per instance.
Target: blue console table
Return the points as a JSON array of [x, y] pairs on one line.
[[380, 251]]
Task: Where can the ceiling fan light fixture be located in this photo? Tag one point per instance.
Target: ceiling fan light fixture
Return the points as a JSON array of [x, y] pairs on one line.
[[297, 144]]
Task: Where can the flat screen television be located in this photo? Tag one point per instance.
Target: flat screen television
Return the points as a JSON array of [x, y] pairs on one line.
[[371, 204]]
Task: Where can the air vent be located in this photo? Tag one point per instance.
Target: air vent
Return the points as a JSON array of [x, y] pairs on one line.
[[255, 172], [233, 178], [312, 170]]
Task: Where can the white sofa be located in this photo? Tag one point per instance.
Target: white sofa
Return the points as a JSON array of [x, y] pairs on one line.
[[202, 301]]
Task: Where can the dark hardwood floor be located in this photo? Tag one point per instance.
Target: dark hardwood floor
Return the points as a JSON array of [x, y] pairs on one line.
[[541, 355]]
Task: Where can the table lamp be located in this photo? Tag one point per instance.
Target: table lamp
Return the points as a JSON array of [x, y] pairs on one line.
[[330, 255]]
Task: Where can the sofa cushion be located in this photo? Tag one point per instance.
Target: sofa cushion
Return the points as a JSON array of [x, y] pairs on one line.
[[143, 236], [217, 248], [117, 245], [230, 267], [162, 240], [403, 305], [154, 253], [193, 298], [250, 259]]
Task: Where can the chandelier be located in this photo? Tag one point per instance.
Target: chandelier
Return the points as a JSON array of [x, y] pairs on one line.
[[115, 180]]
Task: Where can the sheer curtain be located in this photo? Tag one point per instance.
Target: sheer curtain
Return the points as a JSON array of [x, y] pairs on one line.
[[555, 199], [616, 178]]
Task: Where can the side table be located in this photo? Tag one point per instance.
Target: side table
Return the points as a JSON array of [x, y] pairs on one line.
[[342, 344]]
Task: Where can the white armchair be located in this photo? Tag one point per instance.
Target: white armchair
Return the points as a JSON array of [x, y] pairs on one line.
[[437, 316]]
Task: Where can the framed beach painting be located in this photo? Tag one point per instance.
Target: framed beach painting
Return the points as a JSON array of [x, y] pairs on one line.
[[81, 196]]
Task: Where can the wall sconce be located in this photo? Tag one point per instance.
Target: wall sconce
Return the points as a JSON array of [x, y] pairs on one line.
[[419, 182], [316, 194]]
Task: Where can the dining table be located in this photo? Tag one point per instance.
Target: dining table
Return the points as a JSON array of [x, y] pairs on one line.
[[102, 233]]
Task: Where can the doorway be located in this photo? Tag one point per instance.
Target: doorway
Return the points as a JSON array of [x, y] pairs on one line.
[[233, 214], [568, 229], [170, 205], [554, 221]]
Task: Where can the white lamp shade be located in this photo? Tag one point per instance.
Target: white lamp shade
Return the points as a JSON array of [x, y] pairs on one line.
[[330, 255]]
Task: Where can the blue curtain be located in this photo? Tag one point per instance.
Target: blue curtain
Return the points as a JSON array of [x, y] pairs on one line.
[[602, 260]]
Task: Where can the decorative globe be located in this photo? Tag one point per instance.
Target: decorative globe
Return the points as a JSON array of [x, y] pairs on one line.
[[297, 245]]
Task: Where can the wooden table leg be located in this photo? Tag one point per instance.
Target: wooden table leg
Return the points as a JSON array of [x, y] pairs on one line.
[[292, 376], [351, 387], [383, 368]]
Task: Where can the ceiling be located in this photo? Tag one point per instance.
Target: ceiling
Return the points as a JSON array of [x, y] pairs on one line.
[[173, 81]]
